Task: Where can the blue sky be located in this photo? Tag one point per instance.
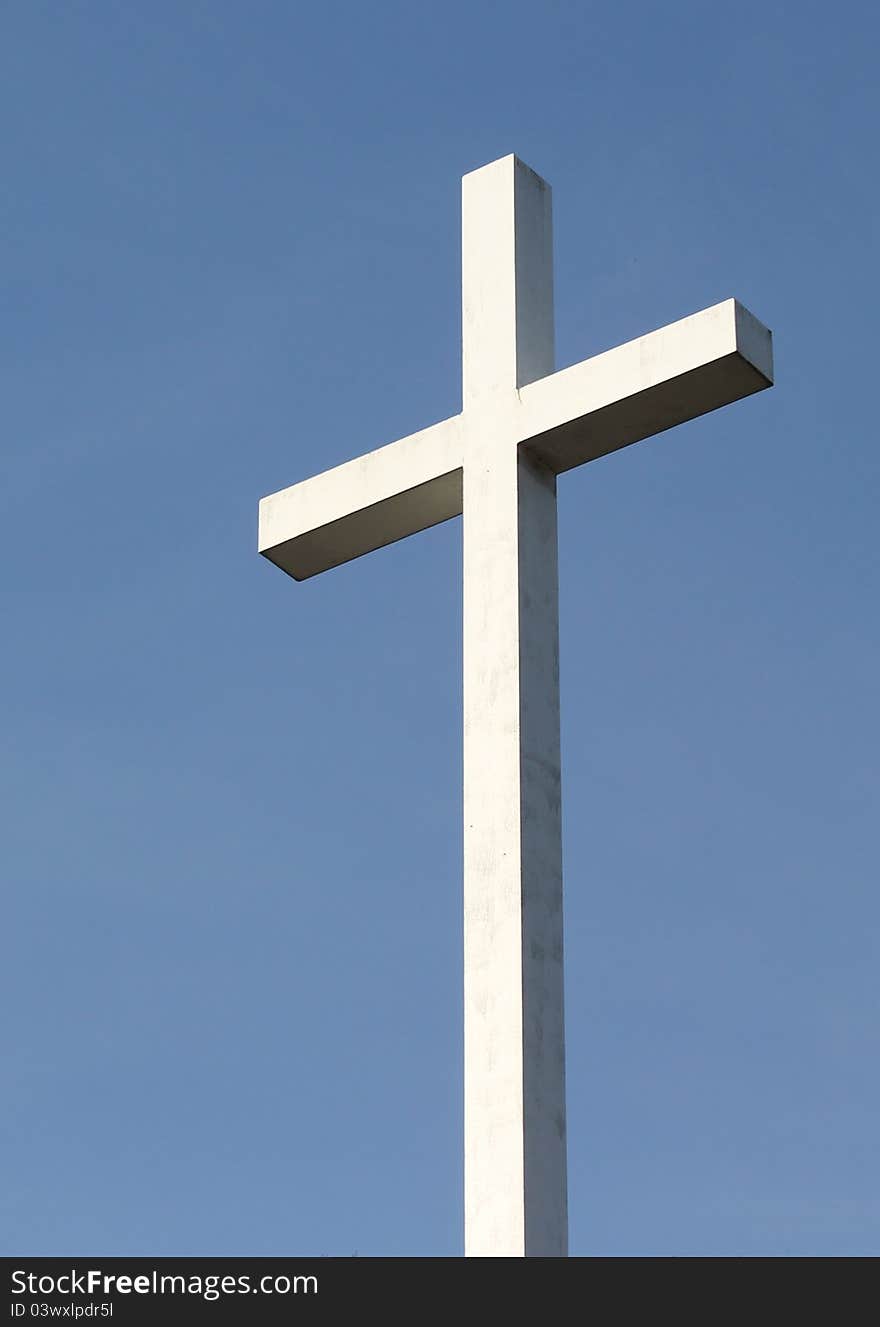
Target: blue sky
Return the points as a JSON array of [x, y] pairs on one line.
[[231, 850]]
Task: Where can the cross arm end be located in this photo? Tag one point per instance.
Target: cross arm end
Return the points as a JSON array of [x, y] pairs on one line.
[[364, 504], [648, 385]]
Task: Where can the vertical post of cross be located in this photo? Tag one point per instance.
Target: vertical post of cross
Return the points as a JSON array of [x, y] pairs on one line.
[[515, 1150]]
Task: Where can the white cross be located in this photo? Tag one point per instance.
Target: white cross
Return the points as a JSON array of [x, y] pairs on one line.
[[521, 425]]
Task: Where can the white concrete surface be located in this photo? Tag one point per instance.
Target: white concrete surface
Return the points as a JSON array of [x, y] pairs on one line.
[[515, 1173], [521, 425]]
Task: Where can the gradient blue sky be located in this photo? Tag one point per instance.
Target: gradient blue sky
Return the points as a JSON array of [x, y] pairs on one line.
[[231, 845]]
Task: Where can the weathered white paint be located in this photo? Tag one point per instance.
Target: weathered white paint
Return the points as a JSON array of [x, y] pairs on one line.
[[521, 425], [514, 1053]]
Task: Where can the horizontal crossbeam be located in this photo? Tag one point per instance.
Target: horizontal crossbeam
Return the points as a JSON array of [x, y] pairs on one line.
[[576, 415]]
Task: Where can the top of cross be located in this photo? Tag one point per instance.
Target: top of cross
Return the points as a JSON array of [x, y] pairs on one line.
[[509, 385]]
